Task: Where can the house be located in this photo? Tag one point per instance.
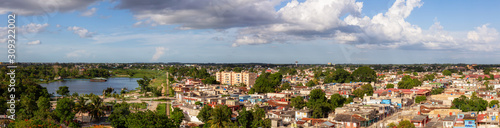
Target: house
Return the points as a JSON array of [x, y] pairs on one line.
[[449, 121], [350, 121], [420, 120], [303, 113]]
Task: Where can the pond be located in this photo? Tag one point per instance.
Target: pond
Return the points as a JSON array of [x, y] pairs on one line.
[[84, 86]]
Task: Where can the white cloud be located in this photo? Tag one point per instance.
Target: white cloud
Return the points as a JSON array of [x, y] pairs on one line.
[[204, 14], [82, 32], [31, 28], [39, 7], [309, 20], [36, 42], [58, 25], [158, 53], [89, 12], [483, 34]]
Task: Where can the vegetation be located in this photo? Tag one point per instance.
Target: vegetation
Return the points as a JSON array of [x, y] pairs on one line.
[[144, 84], [437, 91], [406, 124], [337, 100], [366, 89], [493, 103], [364, 74], [389, 86], [318, 103], [473, 103], [446, 73], [63, 91], [419, 99], [298, 102], [266, 83], [408, 83]]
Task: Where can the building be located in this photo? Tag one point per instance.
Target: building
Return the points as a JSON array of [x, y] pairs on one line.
[[236, 78]]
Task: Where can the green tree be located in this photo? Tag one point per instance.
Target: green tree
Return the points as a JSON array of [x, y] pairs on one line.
[[221, 115], [492, 103], [337, 100], [143, 84], [473, 103], [419, 99], [64, 110], [286, 86], [177, 116], [437, 91], [406, 124], [245, 118], [209, 80], [318, 103], [446, 73], [408, 83], [365, 89], [389, 86], [267, 83], [415, 73], [342, 76], [487, 71], [119, 115], [311, 83], [298, 102], [96, 108], [148, 118], [391, 125], [364, 74], [258, 120], [63, 91]]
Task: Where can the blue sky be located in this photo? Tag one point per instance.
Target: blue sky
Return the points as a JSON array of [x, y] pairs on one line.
[[241, 31]]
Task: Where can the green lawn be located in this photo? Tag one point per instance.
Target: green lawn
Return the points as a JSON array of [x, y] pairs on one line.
[[161, 108]]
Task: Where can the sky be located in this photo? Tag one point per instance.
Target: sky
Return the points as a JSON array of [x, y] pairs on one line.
[[254, 31]]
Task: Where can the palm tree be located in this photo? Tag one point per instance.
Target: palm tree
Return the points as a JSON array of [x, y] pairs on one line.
[[221, 115], [96, 108], [80, 106]]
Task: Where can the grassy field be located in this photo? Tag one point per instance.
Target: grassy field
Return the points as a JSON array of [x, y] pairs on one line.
[[160, 76]]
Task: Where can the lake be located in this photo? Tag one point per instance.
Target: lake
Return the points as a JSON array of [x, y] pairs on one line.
[[84, 86]]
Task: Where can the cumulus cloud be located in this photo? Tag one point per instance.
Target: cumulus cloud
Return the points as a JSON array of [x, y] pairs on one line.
[[25, 29], [158, 53], [34, 42], [483, 34], [205, 14], [340, 21], [82, 32], [309, 20], [38, 7], [89, 12]]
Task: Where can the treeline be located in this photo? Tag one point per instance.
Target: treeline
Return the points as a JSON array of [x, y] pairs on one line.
[[319, 104], [361, 74], [220, 116], [47, 73]]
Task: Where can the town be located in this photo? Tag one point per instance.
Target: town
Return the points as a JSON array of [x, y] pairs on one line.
[[271, 95]]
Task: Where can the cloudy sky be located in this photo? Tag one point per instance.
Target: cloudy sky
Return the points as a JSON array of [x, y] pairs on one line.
[[264, 31]]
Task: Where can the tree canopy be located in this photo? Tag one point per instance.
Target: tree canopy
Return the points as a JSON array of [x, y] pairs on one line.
[[408, 83], [364, 74], [473, 103], [365, 89], [266, 83]]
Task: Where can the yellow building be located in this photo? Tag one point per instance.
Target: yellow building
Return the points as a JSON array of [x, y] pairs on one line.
[[236, 78]]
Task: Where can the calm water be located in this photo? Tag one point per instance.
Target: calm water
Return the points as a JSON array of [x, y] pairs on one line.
[[84, 86]]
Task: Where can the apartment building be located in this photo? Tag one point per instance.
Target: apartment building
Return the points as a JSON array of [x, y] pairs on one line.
[[236, 78]]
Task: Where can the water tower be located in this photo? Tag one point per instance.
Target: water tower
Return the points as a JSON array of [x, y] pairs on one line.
[[296, 63]]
